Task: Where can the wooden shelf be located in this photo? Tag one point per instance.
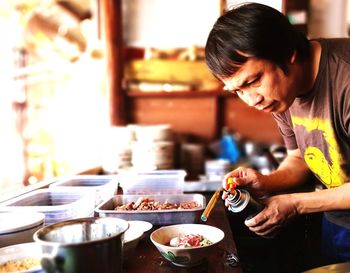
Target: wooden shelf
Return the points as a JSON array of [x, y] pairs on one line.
[[160, 94]]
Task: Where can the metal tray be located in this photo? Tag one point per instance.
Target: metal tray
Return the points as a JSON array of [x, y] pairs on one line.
[[159, 217]]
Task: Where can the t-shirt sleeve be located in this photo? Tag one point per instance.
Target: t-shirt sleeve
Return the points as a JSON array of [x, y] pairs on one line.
[[346, 110], [285, 127]]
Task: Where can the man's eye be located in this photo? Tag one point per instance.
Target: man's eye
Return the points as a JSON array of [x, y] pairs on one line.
[[253, 81], [236, 91], [233, 91]]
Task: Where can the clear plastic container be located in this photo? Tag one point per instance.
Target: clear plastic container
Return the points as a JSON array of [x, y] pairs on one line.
[[58, 204], [153, 182], [105, 186]]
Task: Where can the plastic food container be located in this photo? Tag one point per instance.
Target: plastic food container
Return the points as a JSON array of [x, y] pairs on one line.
[[153, 182], [19, 227], [155, 217], [216, 169], [57, 204], [105, 186]]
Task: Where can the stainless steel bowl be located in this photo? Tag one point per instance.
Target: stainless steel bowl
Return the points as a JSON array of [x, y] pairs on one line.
[[83, 245]]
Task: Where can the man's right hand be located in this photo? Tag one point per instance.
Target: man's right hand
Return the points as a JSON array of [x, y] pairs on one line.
[[247, 178]]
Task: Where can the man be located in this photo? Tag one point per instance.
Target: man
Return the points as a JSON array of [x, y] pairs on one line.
[[258, 55]]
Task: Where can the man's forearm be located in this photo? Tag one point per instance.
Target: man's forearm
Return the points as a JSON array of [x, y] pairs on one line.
[[323, 200], [292, 173]]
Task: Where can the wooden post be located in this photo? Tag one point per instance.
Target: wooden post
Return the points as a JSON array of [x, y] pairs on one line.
[[111, 31]]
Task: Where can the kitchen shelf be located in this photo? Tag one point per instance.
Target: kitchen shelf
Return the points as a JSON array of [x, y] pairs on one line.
[[201, 93]]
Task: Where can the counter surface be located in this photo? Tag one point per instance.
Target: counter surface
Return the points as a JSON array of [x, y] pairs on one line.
[[147, 259]]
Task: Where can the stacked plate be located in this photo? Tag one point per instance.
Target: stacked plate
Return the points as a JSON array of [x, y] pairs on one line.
[[153, 147], [19, 227], [117, 150]]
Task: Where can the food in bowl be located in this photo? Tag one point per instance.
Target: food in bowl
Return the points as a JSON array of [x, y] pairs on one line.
[[21, 258], [189, 240], [186, 256], [20, 265]]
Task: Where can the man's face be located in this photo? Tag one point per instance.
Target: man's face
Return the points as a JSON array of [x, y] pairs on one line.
[[263, 85]]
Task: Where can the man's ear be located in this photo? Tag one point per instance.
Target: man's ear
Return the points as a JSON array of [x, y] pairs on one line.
[[293, 57]]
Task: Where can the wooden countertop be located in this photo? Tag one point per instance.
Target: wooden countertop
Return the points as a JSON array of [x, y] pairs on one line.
[[147, 259]]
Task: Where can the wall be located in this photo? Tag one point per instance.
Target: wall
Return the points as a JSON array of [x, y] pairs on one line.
[[168, 23], [328, 18], [141, 27]]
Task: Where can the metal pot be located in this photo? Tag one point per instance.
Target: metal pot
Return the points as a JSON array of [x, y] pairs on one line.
[[92, 244], [335, 268]]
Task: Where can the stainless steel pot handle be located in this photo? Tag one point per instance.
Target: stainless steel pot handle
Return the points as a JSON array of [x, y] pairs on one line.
[[52, 263]]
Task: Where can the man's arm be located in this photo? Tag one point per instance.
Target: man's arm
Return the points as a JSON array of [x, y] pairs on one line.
[[323, 200], [291, 173]]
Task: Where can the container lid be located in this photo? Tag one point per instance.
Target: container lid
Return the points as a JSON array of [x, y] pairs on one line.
[[16, 221]]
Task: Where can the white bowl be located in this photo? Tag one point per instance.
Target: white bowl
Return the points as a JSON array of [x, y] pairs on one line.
[[189, 256], [19, 227], [137, 231], [143, 225], [19, 252], [131, 240]]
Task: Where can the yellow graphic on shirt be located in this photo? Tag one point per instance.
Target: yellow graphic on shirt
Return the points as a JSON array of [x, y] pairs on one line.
[[329, 173]]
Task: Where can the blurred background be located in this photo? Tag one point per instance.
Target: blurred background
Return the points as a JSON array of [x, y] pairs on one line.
[[123, 83]]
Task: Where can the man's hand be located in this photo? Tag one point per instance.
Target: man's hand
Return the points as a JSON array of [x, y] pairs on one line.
[[279, 210], [247, 178]]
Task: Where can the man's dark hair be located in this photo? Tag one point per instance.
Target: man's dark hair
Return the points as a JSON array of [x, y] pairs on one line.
[[252, 30]]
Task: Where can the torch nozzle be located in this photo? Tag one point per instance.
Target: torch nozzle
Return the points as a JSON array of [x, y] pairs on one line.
[[230, 184]]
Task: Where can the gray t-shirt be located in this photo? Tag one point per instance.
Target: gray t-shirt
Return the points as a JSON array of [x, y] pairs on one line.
[[319, 123]]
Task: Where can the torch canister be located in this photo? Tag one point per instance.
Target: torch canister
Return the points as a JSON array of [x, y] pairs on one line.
[[240, 200]]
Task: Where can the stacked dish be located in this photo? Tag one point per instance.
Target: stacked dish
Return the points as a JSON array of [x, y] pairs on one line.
[[19, 227]]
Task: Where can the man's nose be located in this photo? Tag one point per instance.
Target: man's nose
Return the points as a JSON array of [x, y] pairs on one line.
[[252, 99]]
